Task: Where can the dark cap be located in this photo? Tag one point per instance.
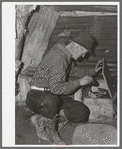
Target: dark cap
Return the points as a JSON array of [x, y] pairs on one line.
[[84, 39]]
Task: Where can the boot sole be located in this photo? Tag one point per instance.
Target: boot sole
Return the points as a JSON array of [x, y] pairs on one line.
[[40, 133]]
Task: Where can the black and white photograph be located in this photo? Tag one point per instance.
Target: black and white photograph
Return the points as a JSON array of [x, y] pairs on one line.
[[64, 88]]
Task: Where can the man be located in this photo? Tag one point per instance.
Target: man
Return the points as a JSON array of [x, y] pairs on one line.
[[51, 84]]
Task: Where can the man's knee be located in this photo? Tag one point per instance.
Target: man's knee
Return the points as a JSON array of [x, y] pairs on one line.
[[50, 106], [44, 103], [77, 112], [85, 115]]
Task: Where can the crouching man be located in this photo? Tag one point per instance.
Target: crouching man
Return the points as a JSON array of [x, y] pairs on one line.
[[51, 85]]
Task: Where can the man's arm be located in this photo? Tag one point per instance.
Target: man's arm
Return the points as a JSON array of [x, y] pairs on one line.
[[80, 72], [57, 79]]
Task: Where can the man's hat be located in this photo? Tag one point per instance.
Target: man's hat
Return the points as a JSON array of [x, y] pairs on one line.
[[84, 39]]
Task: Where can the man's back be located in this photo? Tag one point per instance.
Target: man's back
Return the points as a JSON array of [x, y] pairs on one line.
[[55, 58]]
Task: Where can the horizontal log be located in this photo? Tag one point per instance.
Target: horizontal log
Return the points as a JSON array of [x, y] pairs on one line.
[[108, 59], [102, 8], [100, 55], [92, 64], [111, 38], [97, 33], [101, 48], [83, 26], [85, 13], [101, 35], [103, 51], [87, 19], [87, 26]]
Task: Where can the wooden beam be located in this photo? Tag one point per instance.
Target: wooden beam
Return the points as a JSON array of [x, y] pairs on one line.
[[85, 13]]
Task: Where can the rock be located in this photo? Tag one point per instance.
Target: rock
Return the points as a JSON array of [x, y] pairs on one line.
[[101, 110], [95, 134]]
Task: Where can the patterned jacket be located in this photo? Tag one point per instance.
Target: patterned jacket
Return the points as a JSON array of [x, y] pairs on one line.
[[56, 69]]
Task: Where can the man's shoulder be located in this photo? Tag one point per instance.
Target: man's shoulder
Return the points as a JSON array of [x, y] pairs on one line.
[[55, 56], [57, 52], [58, 56]]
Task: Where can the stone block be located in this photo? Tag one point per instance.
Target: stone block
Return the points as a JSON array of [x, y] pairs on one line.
[[95, 134], [101, 109]]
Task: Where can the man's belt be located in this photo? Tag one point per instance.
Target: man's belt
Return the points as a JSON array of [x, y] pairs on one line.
[[41, 89]]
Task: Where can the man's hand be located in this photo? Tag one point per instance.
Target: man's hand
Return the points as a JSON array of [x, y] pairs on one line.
[[85, 80], [99, 66]]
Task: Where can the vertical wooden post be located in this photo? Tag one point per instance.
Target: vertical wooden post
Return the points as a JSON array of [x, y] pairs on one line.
[[40, 29], [22, 13]]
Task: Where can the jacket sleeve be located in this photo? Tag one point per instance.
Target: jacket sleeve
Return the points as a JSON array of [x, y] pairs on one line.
[[57, 78], [80, 72]]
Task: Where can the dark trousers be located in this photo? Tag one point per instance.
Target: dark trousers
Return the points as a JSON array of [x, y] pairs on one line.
[[48, 105]]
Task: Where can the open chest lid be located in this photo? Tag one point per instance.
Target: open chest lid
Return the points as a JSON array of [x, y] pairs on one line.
[[107, 77]]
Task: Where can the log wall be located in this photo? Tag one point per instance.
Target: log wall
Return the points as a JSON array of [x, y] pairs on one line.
[[98, 20], [102, 25]]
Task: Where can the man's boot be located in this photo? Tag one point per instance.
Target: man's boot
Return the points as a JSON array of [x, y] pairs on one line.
[[63, 122], [38, 122], [46, 129]]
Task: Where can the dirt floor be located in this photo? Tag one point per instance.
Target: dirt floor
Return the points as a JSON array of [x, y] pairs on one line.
[[26, 132]]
